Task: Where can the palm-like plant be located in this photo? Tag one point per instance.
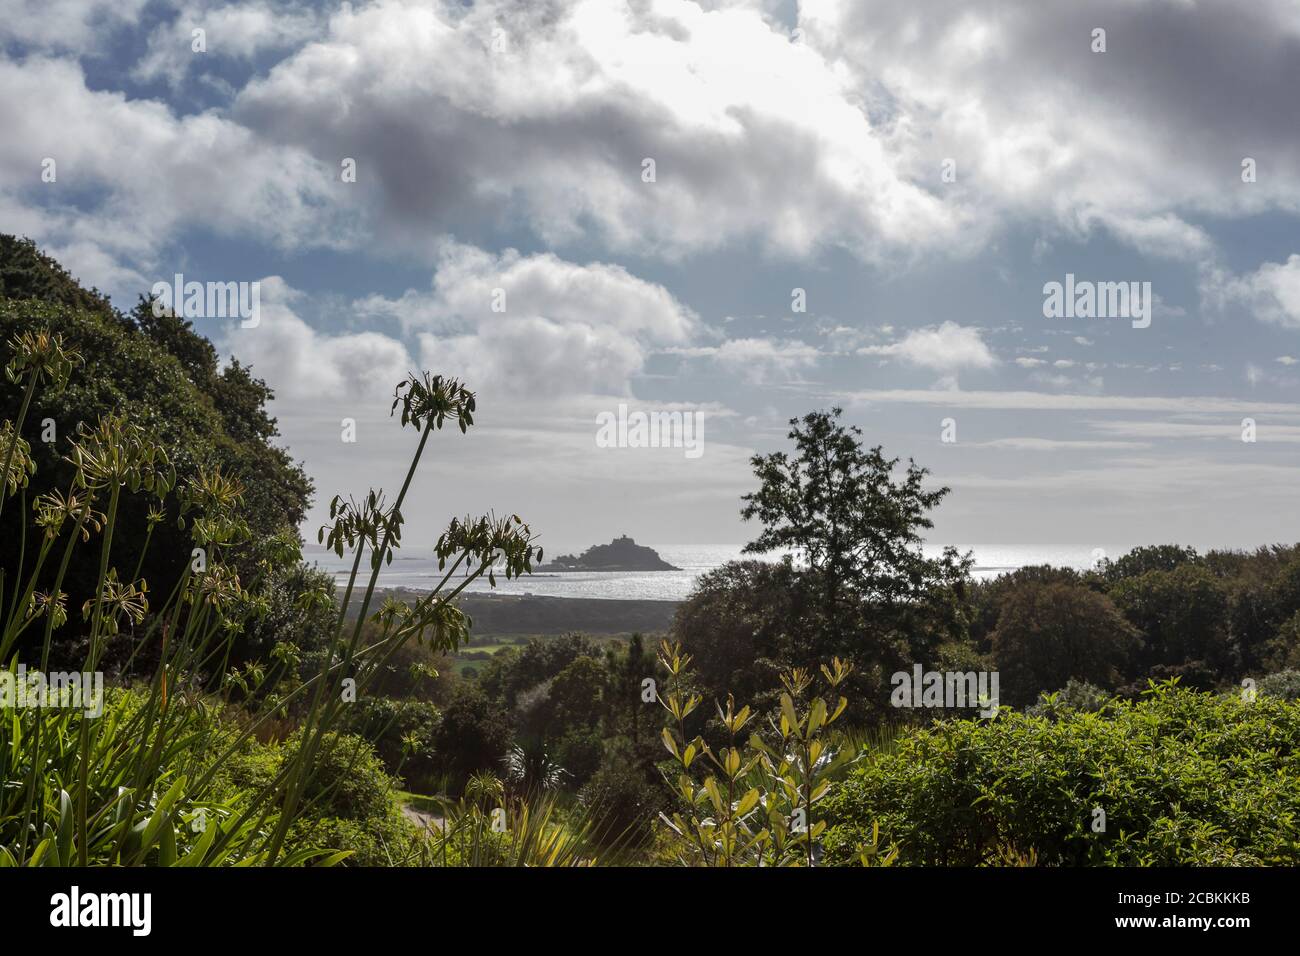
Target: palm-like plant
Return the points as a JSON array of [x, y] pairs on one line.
[[530, 769]]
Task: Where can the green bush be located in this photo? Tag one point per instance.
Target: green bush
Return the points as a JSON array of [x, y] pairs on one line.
[[1183, 778], [1284, 685], [474, 734], [403, 734], [1075, 695], [623, 804]]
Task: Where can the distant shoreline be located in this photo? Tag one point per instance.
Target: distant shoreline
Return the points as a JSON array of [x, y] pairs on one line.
[[519, 614]]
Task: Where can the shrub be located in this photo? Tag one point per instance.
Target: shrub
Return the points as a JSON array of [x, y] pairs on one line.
[[1075, 695], [579, 752], [403, 733], [473, 735], [1284, 685], [1183, 779], [622, 803]]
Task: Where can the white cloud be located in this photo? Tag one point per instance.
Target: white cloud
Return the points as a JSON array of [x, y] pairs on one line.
[[1049, 444], [1271, 292], [131, 175], [565, 329], [65, 25], [1022, 400], [760, 361], [238, 31], [1043, 129], [306, 365], [948, 348], [1220, 431]]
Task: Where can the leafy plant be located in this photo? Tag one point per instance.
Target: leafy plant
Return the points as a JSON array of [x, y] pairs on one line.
[[146, 781], [1178, 778], [753, 805]]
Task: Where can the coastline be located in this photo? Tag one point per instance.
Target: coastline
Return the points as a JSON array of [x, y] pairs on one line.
[[530, 614]]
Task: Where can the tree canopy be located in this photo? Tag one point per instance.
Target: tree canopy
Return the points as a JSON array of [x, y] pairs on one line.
[[165, 377]]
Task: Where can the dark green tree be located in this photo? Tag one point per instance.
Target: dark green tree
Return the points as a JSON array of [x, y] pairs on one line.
[[1183, 614], [166, 378], [1050, 633], [853, 525], [474, 733]]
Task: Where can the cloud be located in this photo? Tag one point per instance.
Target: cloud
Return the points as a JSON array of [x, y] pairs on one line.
[[1271, 292], [1049, 444], [564, 328], [543, 115], [80, 26], [948, 348], [1022, 400], [1042, 128], [763, 360], [238, 31], [303, 364], [1218, 431], [131, 176]]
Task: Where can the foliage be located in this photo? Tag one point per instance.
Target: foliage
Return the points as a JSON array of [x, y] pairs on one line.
[[1183, 779], [838, 506], [1049, 633], [1143, 560], [753, 805], [205, 420], [1182, 614], [149, 780], [853, 581], [1075, 695], [474, 733], [623, 799], [403, 734], [1285, 685], [511, 673], [485, 827]]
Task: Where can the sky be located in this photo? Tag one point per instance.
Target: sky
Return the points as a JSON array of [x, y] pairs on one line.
[[740, 211]]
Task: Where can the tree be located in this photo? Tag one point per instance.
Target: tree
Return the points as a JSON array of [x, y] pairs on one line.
[[987, 597], [164, 376], [474, 733], [839, 507], [1157, 557], [510, 673], [1050, 633], [741, 622], [1183, 615], [625, 669], [576, 696], [856, 529]]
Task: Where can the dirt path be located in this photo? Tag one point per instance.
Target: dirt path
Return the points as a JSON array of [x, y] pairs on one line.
[[421, 819]]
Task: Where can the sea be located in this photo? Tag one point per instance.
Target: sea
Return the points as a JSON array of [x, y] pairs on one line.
[[421, 573]]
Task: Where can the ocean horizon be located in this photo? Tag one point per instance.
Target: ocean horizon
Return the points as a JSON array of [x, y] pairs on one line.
[[419, 572]]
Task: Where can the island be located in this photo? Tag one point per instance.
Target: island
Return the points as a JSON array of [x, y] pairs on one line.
[[621, 554]]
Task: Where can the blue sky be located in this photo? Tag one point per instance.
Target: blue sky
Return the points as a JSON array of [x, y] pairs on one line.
[[501, 145]]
